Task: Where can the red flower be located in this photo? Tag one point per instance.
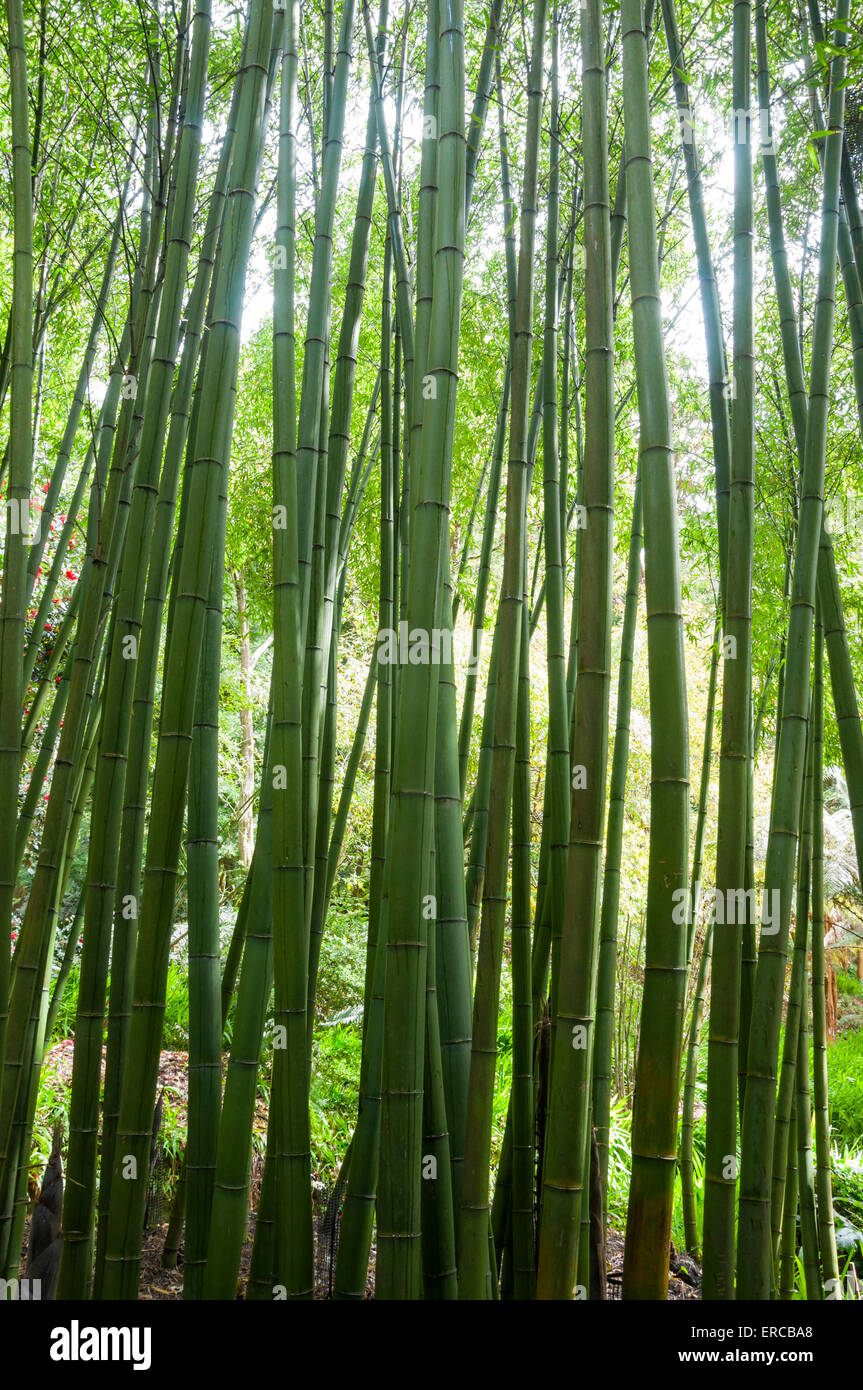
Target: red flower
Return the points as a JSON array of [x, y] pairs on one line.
[[70, 574]]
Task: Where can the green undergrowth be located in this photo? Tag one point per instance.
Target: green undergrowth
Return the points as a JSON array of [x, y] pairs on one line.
[[845, 1088]]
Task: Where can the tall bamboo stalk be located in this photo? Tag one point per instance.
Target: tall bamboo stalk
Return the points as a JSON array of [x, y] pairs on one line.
[[605, 1021], [143, 701], [654, 1120], [182, 658], [202, 859], [722, 1067], [289, 1142], [805, 1171], [709, 290], [753, 1277], [823, 1160], [787, 1092], [398, 1263], [565, 1179], [473, 1226], [687, 1123], [112, 482], [110, 776], [13, 598], [523, 1120]]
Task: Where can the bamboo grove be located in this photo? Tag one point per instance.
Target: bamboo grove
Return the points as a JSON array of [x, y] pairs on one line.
[[385, 163]]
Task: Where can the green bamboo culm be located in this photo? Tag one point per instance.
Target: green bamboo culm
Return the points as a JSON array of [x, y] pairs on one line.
[[110, 488], [13, 597], [204, 481], [709, 290], [605, 989], [703, 796], [557, 759], [143, 701], [692, 1238], [565, 1178], [399, 1186], [788, 1254], [654, 1118], [823, 1160], [202, 859], [289, 1132], [753, 1238], [522, 1105], [787, 1091], [722, 1067], [687, 1123], [440, 1280], [64, 971], [122, 674], [841, 675], [805, 1169], [473, 1266], [453, 964], [230, 1205], [358, 1213]]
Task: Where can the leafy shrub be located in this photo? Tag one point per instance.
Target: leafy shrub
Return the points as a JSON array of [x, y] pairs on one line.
[[52, 1107], [848, 1186], [175, 1034], [64, 1024], [335, 1083], [503, 1079], [619, 1163], [845, 1080], [342, 966], [848, 984]]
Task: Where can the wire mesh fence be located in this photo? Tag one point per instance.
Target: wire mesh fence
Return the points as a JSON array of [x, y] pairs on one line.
[[328, 1222], [155, 1208], [161, 1174]]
